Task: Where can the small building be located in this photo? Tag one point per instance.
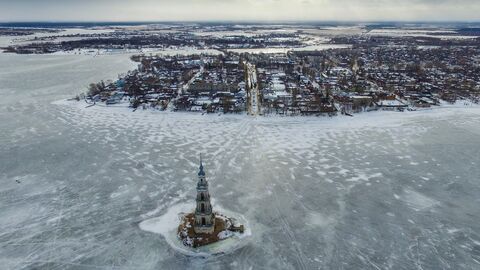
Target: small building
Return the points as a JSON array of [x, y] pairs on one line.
[[391, 105]]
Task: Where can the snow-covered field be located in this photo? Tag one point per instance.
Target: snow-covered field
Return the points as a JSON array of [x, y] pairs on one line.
[[274, 50], [147, 51], [381, 190], [6, 41], [418, 33]]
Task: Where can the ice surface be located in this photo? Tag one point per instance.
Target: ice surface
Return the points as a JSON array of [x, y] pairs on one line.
[[318, 192]]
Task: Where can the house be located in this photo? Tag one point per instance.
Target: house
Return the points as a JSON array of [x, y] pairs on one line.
[[390, 105]]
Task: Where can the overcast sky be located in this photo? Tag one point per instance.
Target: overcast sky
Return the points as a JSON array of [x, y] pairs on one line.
[[235, 10]]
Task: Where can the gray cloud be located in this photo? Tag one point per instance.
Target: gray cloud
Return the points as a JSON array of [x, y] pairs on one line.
[[191, 10]]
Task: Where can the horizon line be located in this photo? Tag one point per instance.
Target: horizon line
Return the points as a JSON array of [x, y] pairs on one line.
[[237, 21]]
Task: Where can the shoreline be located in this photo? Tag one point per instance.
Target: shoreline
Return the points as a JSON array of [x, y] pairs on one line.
[[373, 119]]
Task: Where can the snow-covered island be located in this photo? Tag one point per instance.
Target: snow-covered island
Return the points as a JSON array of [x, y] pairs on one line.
[[199, 230], [203, 226]]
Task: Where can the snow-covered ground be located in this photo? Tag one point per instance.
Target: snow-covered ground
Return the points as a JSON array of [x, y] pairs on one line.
[[6, 41], [381, 190], [418, 33], [274, 50], [148, 51]]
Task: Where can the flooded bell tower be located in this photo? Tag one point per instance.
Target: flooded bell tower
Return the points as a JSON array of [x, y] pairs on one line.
[[204, 217]]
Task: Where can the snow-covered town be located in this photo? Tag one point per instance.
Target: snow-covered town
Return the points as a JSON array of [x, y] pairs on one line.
[[329, 82], [297, 69]]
